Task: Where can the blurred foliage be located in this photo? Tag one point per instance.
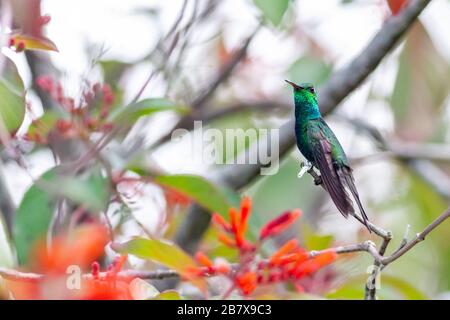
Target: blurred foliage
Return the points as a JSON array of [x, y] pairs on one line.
[[390, 288], [273, 10], [199, 189], [165, 253], [12, 93], [6, 256], [33, 217], [421, 87], [310, 69], [129, 114], [34, 43], [35, 212]]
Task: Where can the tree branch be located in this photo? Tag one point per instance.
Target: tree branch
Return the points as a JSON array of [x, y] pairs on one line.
[[7, 207], [418, 238]]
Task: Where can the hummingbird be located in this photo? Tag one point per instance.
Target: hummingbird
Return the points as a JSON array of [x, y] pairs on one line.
[[319, 145]]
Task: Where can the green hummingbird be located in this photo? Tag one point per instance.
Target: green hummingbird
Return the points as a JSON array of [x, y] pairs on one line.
[[317, 142]]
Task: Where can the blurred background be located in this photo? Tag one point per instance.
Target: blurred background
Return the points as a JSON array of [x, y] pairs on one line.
[[406, 100]]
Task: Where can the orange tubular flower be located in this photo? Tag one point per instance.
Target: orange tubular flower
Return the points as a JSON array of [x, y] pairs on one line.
[[237, 226], [226, 240], [287, 248], [312, 265], [246, 208], [203, 259], [219, 221], [80, 248], [247, 282], [279, 224], [290, 262], [174, 197], [106, 286]]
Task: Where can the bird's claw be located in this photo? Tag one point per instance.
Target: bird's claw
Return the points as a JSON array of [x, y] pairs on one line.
[[318, 181], [304, 168]]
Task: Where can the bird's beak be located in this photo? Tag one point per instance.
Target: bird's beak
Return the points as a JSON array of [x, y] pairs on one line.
[[295, 86]]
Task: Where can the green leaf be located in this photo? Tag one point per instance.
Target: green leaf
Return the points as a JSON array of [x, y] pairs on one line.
[[33, 217], [145, 107], [41, 127], [407, 290], [354, 289], [273, 10], [199, 189], [142, 290], [309, 69], [92, 191], [113, 70], [168, 295], [35, 212], [12, 98], [165, 253], [6, 254], [314, 241]]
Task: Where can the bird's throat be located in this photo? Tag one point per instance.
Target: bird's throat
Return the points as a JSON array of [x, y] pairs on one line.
[[306, 109]]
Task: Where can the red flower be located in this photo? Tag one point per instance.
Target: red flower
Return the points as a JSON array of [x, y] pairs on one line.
[[289, 262], [80, 248], [207, 267], [279, 224], [237, 226], [310, 266], [203, 259], [83, 246], [106, 286], [174, 197], [247, 282]]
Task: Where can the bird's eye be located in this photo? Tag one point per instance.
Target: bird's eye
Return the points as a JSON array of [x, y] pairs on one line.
[[312, 90]]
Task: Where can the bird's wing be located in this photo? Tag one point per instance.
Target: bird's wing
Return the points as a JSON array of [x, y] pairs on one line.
[[345, 173], [323, 158]]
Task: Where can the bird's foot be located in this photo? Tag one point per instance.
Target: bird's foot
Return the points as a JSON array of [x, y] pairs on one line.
[[317, 180], [304, 168]]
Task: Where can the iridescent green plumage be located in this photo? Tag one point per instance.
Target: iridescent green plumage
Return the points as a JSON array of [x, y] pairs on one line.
[[320, 146]]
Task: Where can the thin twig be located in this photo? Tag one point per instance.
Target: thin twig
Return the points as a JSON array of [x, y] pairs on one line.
[[15, 275], [418, 238]]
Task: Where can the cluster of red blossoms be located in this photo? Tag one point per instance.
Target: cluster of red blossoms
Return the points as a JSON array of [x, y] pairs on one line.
[[88, 242], [290, 262], [87, 116]]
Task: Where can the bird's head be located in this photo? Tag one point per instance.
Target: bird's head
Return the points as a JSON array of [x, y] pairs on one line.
[[305, 89], [305, 98]]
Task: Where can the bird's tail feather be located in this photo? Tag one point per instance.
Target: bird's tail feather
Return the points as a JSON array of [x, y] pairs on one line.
[[351, 185]]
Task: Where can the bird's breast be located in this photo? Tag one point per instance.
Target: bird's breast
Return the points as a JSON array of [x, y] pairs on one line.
[[302, 141]]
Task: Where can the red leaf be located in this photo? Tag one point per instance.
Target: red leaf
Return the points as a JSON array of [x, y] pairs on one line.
[[396, 5]]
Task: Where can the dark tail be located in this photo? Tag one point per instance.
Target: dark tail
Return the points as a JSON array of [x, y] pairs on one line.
[[348, 176]]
